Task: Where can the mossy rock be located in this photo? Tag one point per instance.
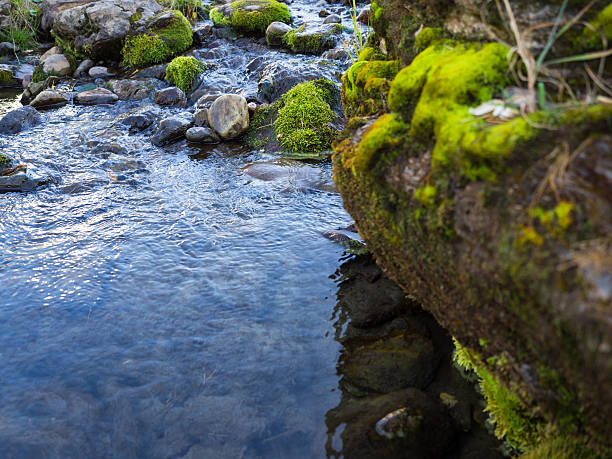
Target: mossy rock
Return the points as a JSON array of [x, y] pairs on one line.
[[164, 36], [183, 72], [6, 76], [312, 38], [250, 16], [472, 217]]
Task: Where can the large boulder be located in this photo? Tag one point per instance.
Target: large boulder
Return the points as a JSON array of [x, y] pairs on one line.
[[98, 29], [252, 16], [229, 116], [19, 119]]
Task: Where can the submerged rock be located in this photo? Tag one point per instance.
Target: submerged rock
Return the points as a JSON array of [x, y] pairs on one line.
[[19, 119], [229, 116], [140, 118]]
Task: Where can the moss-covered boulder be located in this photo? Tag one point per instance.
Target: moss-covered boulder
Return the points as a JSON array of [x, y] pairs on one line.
[[183, 71], [98, 29], [250, 16], [160, 38], [500, 227], [312, 38]]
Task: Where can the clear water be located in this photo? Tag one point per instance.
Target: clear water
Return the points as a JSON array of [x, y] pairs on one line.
[[160, 302]]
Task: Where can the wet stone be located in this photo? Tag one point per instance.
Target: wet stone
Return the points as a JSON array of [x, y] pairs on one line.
[[96, 96], [171, 97], [84, 67], [399, 360], [202, 135], [229, 116], [141, 118], [275, 33], [50, 98], [19, 119], [200, 118], [172, 128], [332, 19]]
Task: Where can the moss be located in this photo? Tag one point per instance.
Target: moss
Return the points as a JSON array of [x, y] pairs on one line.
[[4, 160], [134, 18], [311, 43], [302, 124], [183, 72], [365, 85], [555, 220], [258, 21], [426, 194], [426, 37], [219, 18], [376, 11], [370, 54], [252, 21], [508, 413], [602, 24], [6, 76], [562, 448], [158, 44]]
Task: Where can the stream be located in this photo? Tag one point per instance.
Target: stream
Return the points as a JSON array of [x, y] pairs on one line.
[[159, 299]]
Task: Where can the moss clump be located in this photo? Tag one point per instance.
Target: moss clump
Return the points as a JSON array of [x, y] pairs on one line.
[[302, 124], [426, 37], [4, 160], [6, 76], [315, 42], [253, 16], [602, 24], [366, 83], [183, 72], [370, 54], [158, 44], [436, 91], [38, 75]]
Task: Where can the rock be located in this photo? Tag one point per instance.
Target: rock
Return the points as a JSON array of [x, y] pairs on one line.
[[324, 13], [394, 362], [229, 116], [7, 48], [422, 429], [100, 72], [200, 34], [133, 89], [19, 168], [337, 54], [332, 19], [98, 28], [207, 99], [275, 33], [97, 96], [155, 71], [200, 118], [365, 15], [5, 14], [172, 128], [19, 119], [53, 51], [252, 16], [280, 76], [57, 64], [7, 76], [84, 67], [49, 99], [50, 9], [19, 182], [33, 89], [202, 135], [171, 96], [313, 38], [140, 118]]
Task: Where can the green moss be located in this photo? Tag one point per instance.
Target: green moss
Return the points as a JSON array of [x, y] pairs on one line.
[[219, 18], [602, 24], [4, 160], [555, 220], [183, 72], [6, 76], [377, 11], [370, 54], [313, 43], [134, 18], [426, 194], [302, 124], [562, 448], [508, 413], [258, 21], [158, 45], [252, 21], [365, 86], [426, 37]]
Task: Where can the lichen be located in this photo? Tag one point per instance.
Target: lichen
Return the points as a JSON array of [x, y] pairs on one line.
[[183, 72], [302, 124], [252, 21], [158, 45]]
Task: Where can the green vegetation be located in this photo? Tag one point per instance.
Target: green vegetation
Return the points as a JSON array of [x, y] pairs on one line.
[[4, 160], [426, 37], [313, 43], [366, 83], [302, 124], [189, 8], [38, 75], [6, 76], [251, 20], [183, 72], [158, 45], [24, 22]]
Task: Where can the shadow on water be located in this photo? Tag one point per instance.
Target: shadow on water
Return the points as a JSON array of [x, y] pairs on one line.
[[401, 396]]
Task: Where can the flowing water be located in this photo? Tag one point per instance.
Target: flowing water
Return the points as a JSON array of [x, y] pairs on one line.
[[161, 302]]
